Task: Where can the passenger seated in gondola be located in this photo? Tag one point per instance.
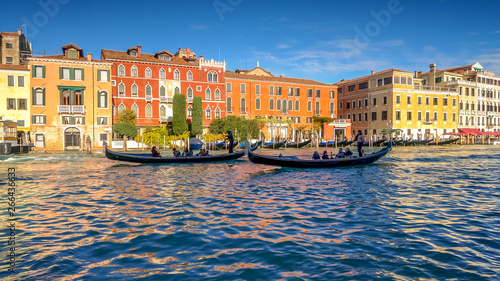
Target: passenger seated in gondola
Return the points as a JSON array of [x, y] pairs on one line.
[[176, 152], [206, 153], [348, 153], [325, 155], [316, 156], [201, 153], [341, 154], [187, 152], [154, 152]]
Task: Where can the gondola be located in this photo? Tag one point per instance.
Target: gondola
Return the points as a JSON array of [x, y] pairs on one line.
[[294, 162], [298, 145], [375, 143], [345, 143], [450, 141], [272, 145], [326, 144], [147, 158]]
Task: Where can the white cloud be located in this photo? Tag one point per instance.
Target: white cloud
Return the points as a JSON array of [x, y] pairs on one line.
[[283, 46], [198, 26]]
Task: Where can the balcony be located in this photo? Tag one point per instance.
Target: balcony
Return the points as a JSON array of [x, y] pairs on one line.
[[71, 109], [467, 112], [461, 82], [149, 98], [165, 119], [434, 88], [166, 99], [473, 112]]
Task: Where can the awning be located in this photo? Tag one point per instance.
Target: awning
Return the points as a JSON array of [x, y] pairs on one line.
[[73, 88], [473, 132]]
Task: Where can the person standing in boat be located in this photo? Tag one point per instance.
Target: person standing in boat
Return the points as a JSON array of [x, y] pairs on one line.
[[154, 152], [360, 139], [230, 138]]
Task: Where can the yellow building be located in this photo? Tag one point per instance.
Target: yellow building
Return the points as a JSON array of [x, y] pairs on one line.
[[71, 100], [15, 98]]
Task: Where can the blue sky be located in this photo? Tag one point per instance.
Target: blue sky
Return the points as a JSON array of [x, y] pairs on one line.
[[322, 40]]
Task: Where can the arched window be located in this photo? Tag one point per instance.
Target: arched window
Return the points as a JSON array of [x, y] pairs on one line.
[[309, 106], [133, 71], [135, 91], [149, 111], [243, 105], [217, 94], [278, 104], [177, 75], [65, 97], [283, 107], [332, 109], [121, 89], [121, 70], [162, 91], [163, 74], [290, 105], [217, 112], [148, 73], [135, 108], [177, 90], [148, 90], [214, 77], [78, 98], [257, 104], [209, 78], [271, 104], [163, 111], [208, 94], [208, 113], [189, 111], [229, 104], [189, 75], [103, 99], [297, 105], [190, 92], [317, 109], [121, 107]]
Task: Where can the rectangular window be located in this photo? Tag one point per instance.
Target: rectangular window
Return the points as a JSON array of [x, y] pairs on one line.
[[427, 116], [366, 116], [271, 90], [419, 100], [65, 73], [366, 102], [359, 103], [384, 115], [408, 100], [351, 88], [103, 137], [290, 91], [309, 93], [10, 81], [408, 116], [348, 105], [454, 102], [439, 79], [257, 89], [11, 104], [9, 46], [435, 116], [435, 101], [243, 88], [297, 92], [445, 117], [353, 104], [38, 71], [340, 105], [363, 85], [102, 120], [229, 87], [385, 100], [398, 115], [354, 118], [103, 75], [419, 116], [78, 74], [374, 102], [445, 101], [318, 93], [388, 80], [278, 91], [374, 116], [427, 101], [398, 99], [309, 120], [454, 117], [339, 91], [38, 119], [20, 81], [72, 54], [9, 60], [332, 94], [22, 104], [359, 117], [380, 82]]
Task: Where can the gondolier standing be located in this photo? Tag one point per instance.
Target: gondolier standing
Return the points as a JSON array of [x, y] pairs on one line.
[[230, 138], [360, 139]]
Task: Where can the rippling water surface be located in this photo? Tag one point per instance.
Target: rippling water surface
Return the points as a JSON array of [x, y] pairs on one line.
[[421, 213]]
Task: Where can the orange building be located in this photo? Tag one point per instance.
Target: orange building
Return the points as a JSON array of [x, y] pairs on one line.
[[71, 100], [258, 93]]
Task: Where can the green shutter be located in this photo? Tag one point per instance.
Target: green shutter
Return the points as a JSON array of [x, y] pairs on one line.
[[33, 71], [43, 96], [106, 102], [83, 77], [44, 119], [83, 95], [72, 73], [72, 98], [72, 120], [83, 120], [43, 72], [109, 74], [61, 97], [33, 96], [32, 119], [60, 72]]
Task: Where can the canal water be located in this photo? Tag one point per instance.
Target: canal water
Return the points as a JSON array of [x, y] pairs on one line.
[[420, 213]]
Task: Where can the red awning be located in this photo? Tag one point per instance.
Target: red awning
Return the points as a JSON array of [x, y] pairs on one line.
[[473, 132]]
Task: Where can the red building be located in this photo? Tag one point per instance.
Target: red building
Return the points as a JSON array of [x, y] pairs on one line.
[[146, 83]]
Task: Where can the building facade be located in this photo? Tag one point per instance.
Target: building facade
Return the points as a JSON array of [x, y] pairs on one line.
[[71, 100], [14, 48], [146, 83], [257, 93]]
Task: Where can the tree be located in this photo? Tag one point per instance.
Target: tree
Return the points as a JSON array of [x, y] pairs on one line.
[[125, 129], [126, 116], [197, 123], [179, 125]]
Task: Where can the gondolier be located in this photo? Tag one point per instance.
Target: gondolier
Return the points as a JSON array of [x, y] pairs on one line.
[[360, 139], [230, 138]]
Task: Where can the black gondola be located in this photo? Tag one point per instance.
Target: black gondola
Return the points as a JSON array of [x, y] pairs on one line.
[[294, 162], [273, 145], [298, 145], [375, 143], [148, 158], [450, 141]]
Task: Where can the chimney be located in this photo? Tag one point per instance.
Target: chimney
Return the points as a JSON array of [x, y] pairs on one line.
[[202, 57], [139, 51], [415, 74], [433, 67], [19, 31], [31, 46], [373, 72], [89, 56]]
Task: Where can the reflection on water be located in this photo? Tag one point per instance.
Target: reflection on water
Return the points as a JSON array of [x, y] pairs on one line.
[[422, 212]]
